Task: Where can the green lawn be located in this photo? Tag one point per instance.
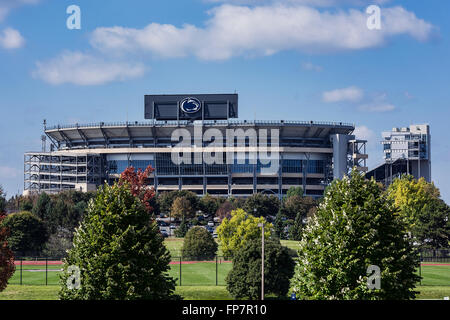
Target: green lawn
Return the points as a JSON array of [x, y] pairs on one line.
[[17, 292], [198, 280], [201, 274], [435, 275], [176, 244]]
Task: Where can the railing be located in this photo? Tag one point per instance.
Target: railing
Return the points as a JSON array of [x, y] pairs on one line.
[[206, 122]]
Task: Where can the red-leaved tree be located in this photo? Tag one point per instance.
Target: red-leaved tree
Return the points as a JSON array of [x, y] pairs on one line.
[[138, 187], [7, 266]]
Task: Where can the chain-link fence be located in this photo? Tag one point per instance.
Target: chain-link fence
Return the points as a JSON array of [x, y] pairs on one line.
[[211, 271], [435, 267], [198, 271]]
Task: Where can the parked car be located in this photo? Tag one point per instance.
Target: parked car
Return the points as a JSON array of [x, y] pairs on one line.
[[210, 230], [211, 224], [215, 235], [164, 234], [173, 226]]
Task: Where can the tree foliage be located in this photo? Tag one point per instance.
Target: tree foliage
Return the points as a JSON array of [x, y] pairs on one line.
[[182, 208], [119, 251], [425, 214], [262, 205], [241, 228], [355, 226], [244, 279], [27, 233], [138, 184], [166, 199], [209, 204], [182, 229], [7, 266], [230, 204], [2, 200], [294, 191], [199, 245]]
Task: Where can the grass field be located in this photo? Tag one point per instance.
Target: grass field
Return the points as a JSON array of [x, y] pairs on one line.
[[176, 244], [198, 280], [17, 292]]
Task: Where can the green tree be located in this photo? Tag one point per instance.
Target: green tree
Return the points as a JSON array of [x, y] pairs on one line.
[[244, 279], [119, 251], [7, 266], [296, 204], [296, 230], [199, 245], [294, 191], [433, 227], [209, 204], [262, 205], [182, 229], [356, 226], [42, 208], [2, 200], [279, 225], [241, 228], [26, 205], [166, 199], [425, 214], [27, 232]]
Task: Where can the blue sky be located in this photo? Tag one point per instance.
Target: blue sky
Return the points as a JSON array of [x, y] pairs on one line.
[[287, 59]]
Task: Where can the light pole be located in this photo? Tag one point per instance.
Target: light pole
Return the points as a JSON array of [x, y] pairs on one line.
[[262, 260]]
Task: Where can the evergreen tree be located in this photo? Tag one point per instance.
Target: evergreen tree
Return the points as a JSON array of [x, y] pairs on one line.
[[199, 244], [119, 251], [244, 279]]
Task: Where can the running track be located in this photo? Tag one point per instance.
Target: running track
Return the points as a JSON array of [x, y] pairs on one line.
[[42, 263]]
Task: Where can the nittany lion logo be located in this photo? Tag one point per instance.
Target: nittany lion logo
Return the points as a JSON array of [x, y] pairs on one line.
[[190, 105]]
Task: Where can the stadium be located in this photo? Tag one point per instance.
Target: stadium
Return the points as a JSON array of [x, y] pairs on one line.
[[309, 154]]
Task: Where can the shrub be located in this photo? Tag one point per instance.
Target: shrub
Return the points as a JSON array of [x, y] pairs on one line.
[[244, 279], [27, 233], [199, 245], [7, 266]]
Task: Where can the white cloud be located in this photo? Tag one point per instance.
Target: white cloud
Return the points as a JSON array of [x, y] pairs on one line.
[[11, 39], [82, 69], [313, 3], [9, 172], [364, 133], [350, 94], [263, 30], [377, 107], [7, 5], [311, 67]]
